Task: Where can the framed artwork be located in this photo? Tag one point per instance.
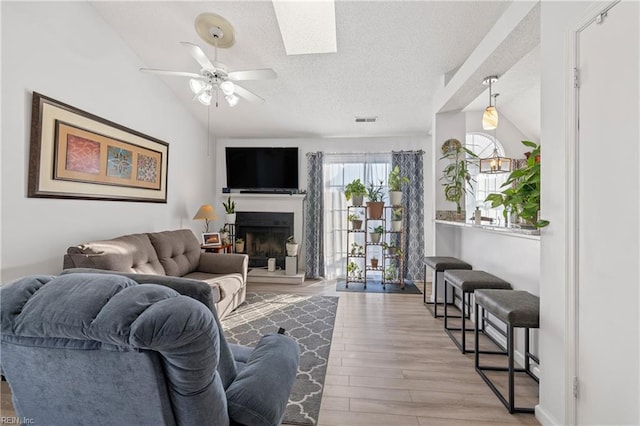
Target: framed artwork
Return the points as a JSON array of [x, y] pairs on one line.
[[75, 154], [211, 239]]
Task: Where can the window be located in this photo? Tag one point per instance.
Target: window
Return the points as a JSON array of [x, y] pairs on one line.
[[484, 184], [339, 170]]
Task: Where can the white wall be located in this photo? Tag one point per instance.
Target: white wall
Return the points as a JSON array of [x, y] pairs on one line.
[[509, 135], [66, 51]]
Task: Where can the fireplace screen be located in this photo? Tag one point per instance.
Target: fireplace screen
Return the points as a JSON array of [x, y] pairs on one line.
[[265, 236]]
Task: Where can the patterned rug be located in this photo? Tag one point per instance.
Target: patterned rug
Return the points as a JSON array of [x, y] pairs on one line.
[[309, 320], [376, 287]]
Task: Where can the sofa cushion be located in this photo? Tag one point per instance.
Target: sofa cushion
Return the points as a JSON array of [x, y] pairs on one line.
[[129, 253], [228, 284], [178, 251]]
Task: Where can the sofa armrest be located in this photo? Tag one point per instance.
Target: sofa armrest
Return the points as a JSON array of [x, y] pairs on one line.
[[195, 289], [259, 394], [223, 263]]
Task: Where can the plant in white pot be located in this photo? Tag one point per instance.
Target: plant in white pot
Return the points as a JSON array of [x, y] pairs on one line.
[[375, 234], [396, 220], [395, 182], [230, 210], [292, 246], [224, 235], [356, 191]]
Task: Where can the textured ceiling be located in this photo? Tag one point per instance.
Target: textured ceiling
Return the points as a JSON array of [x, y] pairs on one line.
[[391, 59]]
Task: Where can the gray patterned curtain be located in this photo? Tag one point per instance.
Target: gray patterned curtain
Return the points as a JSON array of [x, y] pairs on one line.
[[411, 165], [314, 226]]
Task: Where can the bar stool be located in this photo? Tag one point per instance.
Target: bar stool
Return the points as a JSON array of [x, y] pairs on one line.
[[439, 264], [516, 308], [468, 282]]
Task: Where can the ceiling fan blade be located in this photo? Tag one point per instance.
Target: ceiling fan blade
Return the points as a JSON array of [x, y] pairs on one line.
[[250, 96], [174, 73], [199, 56], [263, 74]]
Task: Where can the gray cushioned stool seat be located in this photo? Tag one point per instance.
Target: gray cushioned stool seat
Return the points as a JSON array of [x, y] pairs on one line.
[[468, 282], [515, 307], [439, 264]]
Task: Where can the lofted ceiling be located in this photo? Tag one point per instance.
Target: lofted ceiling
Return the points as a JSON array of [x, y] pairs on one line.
[[391, 58]]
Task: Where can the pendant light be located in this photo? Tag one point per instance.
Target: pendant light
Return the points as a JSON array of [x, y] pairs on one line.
[[490, 116], [495, 163]]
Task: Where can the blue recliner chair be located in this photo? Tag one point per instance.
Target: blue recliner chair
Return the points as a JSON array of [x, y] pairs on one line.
[[88, 348]]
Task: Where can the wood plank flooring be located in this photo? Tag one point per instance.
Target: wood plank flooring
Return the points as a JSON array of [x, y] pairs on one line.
[[391, 364]]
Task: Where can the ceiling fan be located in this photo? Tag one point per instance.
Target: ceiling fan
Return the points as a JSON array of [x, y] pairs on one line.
[[214, 76]]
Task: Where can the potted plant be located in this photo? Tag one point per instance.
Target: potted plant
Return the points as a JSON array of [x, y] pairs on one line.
[[456, 175], [375, 203], [396, 220], [224, 235], [356, 221], [395, 182], [356, 249], [239, 245], [292, 246], [230, 210], [522, 195], [355, 190], [390, 248], [352, 269], [376, 233], [374, 262]]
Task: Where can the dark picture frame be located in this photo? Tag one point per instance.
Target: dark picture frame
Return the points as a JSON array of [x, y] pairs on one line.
[[75, 154]]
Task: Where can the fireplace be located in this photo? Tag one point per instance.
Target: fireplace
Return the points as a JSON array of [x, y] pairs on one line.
[[265, 235]]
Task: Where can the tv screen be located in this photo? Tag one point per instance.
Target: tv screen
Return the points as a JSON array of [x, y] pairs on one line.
[[262, 168]]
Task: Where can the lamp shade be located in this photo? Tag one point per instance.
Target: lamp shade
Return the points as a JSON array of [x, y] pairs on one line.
[[206, 212], [490, 118]]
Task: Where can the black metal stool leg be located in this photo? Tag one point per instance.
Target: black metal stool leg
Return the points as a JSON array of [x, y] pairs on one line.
[[511, 370]]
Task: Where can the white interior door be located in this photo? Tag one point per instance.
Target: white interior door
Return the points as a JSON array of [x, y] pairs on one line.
[[608, 217]]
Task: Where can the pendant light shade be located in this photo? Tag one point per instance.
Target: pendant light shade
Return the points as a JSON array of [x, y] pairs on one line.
[[490, 116]]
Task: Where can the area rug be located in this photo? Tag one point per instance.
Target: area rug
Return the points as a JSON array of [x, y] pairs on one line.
[[307, 319], [376, 287]]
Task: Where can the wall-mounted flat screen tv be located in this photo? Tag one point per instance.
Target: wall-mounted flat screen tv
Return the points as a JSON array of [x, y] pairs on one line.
[[262, 168]]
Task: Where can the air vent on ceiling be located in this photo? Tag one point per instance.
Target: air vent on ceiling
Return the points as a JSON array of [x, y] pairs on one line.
[[366, 119]]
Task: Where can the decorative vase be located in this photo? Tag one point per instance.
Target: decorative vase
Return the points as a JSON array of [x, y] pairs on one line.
[[292, 249], [375, 209], [357, 199], [395, 198], [356, 224], [231, 218]]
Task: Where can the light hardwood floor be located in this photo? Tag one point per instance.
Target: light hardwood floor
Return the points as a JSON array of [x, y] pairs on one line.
[[391, 364]]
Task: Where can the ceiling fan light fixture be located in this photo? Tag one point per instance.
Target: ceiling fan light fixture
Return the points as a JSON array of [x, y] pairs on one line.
[[205, 98], [227, 87], [196, 86], [232, 100]]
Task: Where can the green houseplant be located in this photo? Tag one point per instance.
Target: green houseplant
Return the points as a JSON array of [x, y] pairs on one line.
[[396, 220], [356, 190], [375, 234], [375, 203], [455, 175], [356, 221], [291, 246], [395, 182], [230, 210], [522, 193]]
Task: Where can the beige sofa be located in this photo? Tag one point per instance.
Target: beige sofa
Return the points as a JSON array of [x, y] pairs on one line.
[[169, 255]]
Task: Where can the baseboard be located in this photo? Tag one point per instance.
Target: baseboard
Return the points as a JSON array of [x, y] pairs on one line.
[[545, 418]]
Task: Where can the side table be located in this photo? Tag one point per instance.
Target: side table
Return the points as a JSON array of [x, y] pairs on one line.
[[222, 248]]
